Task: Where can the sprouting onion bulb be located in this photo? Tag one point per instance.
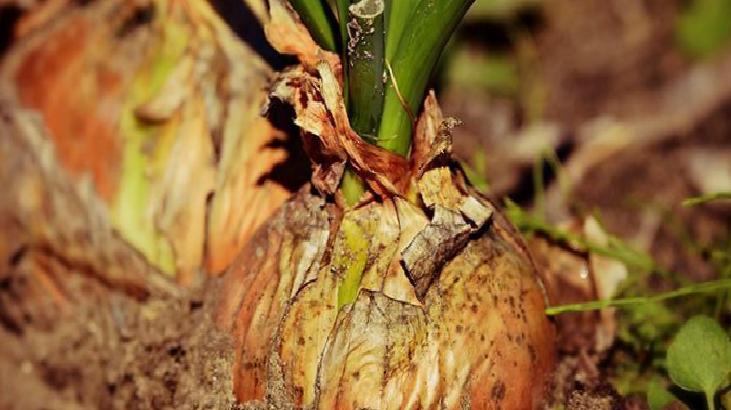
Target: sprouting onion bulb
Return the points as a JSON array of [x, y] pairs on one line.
[[389, 50], [423, 300]]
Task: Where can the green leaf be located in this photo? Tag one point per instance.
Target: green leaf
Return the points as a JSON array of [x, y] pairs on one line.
[[319, 20], [421, 42], [699, 358], [365, 70], [703, 28], [399, 16], [657, 395]]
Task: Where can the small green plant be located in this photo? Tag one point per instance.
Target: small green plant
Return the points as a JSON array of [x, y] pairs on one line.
[[699, 358], [703, 27], [658, 397]]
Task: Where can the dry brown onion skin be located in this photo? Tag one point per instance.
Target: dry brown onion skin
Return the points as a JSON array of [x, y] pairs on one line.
[[82, 70]]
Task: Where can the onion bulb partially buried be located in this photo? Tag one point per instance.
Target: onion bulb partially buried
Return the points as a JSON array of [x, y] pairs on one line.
[[422, 296], [476, 335]]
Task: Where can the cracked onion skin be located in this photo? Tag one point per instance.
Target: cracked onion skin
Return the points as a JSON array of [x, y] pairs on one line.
[[478, 338]]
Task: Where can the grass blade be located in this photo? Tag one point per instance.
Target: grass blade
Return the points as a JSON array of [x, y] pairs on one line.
[[697, 200], [695, 289]]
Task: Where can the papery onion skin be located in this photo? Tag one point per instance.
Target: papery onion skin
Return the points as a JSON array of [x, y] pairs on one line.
[[158, 105], [479, 337]]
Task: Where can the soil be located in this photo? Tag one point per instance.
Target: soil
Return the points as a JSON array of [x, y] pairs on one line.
[[110, 350]]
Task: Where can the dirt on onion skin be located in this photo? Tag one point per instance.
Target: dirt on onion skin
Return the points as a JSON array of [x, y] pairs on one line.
[[107, 350]]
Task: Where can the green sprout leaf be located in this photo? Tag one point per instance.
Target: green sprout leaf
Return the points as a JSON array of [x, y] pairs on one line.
[[398, 16], [703, 27], [318, 18], [365, 67], [699, 358], [420, 43], [658, 397]]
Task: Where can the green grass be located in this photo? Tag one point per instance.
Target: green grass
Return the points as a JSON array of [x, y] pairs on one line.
[[710, 287], [699, 200], [616, 248], [703, 27], [646, 321]]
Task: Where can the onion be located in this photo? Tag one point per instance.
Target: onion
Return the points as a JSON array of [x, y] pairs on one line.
[[420, 296], [158, 105]]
